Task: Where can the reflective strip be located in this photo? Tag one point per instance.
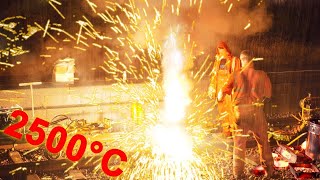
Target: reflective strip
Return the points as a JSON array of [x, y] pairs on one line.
[[245, 105], [239, 90], [250, 105]]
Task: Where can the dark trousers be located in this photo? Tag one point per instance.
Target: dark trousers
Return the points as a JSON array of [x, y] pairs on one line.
[[250, 119]]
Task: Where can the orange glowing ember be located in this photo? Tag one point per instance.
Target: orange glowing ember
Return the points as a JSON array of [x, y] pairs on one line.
[[304, 145], [278, 162]]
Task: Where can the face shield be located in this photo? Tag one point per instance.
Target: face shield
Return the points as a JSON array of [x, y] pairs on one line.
[[222, 65]]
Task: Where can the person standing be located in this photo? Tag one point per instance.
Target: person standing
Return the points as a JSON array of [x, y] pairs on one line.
[[249, 89], [225, 64]]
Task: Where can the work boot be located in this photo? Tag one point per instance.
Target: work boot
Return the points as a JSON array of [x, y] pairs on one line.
[[274, 175], [239, 177]]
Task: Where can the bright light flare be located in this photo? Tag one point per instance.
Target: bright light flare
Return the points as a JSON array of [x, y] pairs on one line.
[[170, 139], [173, 142], [247, 26], [175, 85], [257, 59], [229, 9]]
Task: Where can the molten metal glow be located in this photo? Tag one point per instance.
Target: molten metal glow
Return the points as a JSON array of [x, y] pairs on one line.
[[304, 145], [247, 26], [175, 86], [170, 139], [172, 142]]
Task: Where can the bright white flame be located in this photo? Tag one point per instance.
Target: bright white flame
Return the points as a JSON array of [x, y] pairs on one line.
[[175, 83], [173, 142], [170, 139]]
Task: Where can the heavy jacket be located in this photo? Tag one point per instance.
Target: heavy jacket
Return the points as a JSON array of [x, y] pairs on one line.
[[248, 87]]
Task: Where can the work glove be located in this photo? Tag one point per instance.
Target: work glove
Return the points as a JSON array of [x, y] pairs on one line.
[[266, 100], [211, 92], [220, 96]]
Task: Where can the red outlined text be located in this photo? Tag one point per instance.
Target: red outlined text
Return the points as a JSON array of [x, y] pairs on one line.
[[38, 126]]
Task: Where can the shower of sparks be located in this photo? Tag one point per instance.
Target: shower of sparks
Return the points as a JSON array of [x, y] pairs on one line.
[[55, 8], [168, 136], [18, 169], [172, 139], [247, 26], [257, 59], [11, 31], [175, 83], [199, 9], [45, 55], [229, 9], [46, 28], [43, 29], [92, 5], [6, 64]]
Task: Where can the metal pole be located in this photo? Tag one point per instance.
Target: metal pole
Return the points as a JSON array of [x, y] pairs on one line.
[[32, 102]]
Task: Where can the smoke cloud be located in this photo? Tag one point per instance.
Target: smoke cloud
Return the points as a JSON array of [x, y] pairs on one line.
[[213, 23]]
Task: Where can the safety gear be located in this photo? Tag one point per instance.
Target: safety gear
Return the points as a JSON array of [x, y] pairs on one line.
[[247, 88], [223, 66], [251, 120]]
